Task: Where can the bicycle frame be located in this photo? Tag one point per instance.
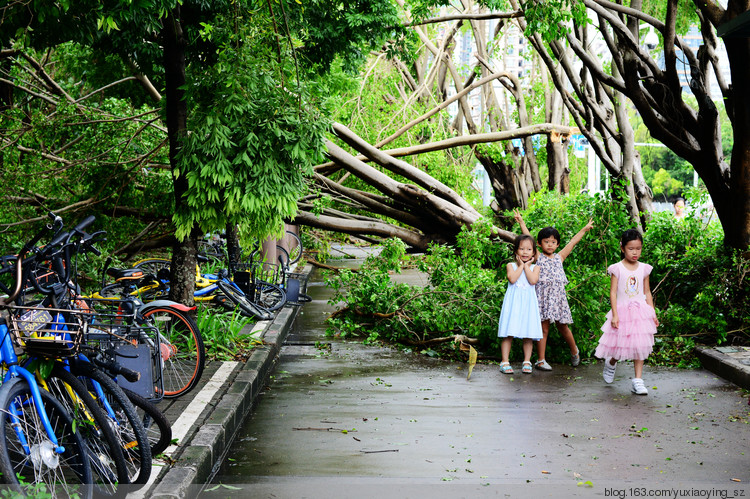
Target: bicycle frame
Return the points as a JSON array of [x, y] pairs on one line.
[[9, 357]]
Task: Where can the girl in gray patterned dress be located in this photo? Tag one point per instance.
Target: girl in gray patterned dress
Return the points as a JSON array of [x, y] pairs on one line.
[[550, 290]]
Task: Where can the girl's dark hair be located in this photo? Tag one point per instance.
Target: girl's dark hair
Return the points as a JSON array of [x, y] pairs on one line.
[[630, 235], [548, 232], [521, 238]]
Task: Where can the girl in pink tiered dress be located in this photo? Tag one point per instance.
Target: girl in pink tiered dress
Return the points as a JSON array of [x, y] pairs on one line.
[[631, 323]]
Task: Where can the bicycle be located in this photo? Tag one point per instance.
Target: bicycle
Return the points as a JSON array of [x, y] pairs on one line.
[[38, 443], [271, 293], [177, 337], [265, 294], [134, 466]]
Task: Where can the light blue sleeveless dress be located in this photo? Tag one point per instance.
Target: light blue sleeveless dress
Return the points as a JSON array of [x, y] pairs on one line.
[[519, 316]]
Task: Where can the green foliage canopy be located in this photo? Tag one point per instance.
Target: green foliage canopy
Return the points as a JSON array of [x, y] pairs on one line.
[[251, 147]]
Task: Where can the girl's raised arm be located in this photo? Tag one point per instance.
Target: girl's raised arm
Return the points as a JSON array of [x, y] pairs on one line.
[[518, 218], [576, 239]]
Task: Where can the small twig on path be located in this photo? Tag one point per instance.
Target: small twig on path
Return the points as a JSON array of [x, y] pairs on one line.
[[324, 429], [377, 451]]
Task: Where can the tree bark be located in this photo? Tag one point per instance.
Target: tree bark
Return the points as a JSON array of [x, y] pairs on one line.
[[184, 253]]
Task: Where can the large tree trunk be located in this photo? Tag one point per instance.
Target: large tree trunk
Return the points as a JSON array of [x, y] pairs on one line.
[[558, 179], [507, 182], [734, 209], [557, 164], [430, 210], [182, 280]]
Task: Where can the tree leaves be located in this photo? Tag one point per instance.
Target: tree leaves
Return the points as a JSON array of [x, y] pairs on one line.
[[250, 150]]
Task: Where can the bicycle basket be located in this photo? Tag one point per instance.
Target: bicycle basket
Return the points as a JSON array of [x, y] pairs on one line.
[[46, 332], [268, 272], [246, 275], [295, 286], [136, 347]]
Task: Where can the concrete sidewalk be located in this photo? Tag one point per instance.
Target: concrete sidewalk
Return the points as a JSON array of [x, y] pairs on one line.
[[731, 363], [205, 420]]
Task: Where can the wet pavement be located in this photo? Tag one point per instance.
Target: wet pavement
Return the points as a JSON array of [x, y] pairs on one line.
[[341, 419]]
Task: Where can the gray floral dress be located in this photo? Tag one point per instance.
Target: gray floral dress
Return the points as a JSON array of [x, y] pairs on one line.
[[550, 290]]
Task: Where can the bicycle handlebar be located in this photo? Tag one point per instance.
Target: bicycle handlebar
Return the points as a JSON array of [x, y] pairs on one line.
[[117, 369], [83, 224], [56, 225], [60, 255]]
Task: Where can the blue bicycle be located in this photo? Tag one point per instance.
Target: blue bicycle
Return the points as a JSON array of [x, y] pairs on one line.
[[38, 442], [53, 333]]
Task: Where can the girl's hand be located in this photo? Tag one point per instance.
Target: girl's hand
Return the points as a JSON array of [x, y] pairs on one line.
[[656, 319], [589, 225], [517, 216], [615, 322]]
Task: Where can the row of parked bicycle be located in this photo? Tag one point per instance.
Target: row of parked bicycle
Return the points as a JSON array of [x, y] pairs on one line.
[[81, 373], [256, 287]]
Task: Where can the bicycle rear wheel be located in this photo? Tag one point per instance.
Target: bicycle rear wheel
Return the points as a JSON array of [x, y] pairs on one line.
[[183, 354], [269, 296], [28, 458], [294, 247], [212, 251], [115, 290], [156, 424], [153, 265]]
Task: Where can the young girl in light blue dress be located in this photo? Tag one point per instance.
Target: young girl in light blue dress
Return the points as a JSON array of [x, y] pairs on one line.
[[519, 317]]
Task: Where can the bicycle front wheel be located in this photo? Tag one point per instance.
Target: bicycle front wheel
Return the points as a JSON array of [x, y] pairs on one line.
[[122, 416], [183, 355], [106, 456], [247, 308], [28, 458]]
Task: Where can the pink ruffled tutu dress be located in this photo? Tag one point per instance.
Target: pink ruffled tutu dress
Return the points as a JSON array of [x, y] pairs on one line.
[[634, 339]]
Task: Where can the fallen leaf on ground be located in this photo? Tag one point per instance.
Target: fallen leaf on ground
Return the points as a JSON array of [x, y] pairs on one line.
[[472, 361]]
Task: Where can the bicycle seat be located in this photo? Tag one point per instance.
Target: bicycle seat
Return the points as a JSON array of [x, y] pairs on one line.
[[119, 274]]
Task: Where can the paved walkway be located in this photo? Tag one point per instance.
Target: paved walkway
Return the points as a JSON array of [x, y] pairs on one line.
[[693, 426]]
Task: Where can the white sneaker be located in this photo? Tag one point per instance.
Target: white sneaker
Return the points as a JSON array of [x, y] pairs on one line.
[[542, 365], [609, 371], [575, 359], [638, 387]]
